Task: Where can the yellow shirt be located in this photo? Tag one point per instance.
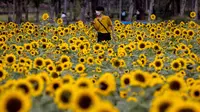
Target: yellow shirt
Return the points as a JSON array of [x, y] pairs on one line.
[[106, 21]]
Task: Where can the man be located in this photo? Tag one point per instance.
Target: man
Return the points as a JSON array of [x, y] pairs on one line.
[[103, 25]]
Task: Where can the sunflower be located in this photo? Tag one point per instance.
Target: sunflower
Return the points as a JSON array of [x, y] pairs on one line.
[[15, 101], [55, 38], [24, 85], [183, 62], [192, 14], [59, 68], [185, 106], [10, 59], [176, 65], [82, 60], [51, 67], [162, 104], [54, 74], [73, 47], [45, 77], [195, 92], [116, 63], [63, 97], [54, 85], [28, 47], [80, 68], [106, 84], [153, 16], [84, 83], [3, 74], [126, 80], [97, 47], [37, 84], [158, 64], [90, 60], [85, 101], [48, 62], [39, 62], [141, 45], [59, 21], [140, 78], [68, 79], [190, 33], [45, 16], [176, 84], [106, 106], [177, 32]]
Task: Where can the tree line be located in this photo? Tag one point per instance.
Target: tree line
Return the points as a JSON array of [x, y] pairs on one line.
[[84, 9]]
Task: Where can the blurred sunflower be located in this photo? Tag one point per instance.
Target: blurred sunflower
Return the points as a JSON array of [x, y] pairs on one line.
[[10, 59], [80, 68], [85, 101], [106, 84], [38, 62], [153, 16], [192, 14], [15, 101], [3, 74], [45, 16], [140, 78], [37, 84], [84, 83], [63, 97]]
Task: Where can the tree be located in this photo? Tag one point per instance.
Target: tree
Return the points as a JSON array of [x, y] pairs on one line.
[[37, 5], [9, 7], [52, 8], [94, 5], [120, 9], [83, 4], [131, 8], [18, 7], [182, 10], [25, 8], [196, 9], [150, 9]]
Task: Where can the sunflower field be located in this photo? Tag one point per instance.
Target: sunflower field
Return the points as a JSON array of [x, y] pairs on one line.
[[153, 67]]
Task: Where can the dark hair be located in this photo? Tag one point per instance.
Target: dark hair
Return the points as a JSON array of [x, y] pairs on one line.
[[99, 8]]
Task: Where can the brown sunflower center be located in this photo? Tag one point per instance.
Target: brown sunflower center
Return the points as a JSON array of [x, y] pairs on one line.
[[85, 102], [158, 63], [103, 86], [186, 110], [140, 78], [175, 65], [35, 84], [13, 105], [83, 85], [39, 62], [65, 96], [55, 86], [175, 85], [80, 68], [24, 87], [10, 59], [54, 75], [142, 45], [59, 68], [126, 81], [1, 73], [196, 93], [163, 107], [117, 63]]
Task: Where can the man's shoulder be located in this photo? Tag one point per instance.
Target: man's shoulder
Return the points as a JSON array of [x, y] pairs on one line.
[[105, 16]]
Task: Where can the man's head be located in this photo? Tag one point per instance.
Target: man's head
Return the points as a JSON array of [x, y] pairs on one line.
[[99, 10]]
